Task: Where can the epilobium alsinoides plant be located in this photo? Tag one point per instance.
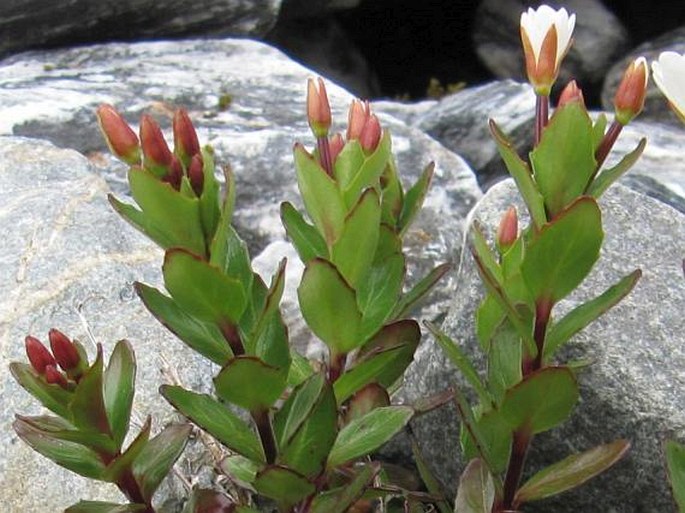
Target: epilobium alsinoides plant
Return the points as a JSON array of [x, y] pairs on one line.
[[528, 272]]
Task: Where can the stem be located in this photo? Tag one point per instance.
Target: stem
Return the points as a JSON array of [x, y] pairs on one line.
[[606, 145], [325, 154], [266, 433], [543, 311], [519, 449], [337, 366], [541, 116], [230, 333], [129, 487]]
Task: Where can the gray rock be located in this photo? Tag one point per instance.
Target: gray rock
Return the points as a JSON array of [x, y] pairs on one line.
[[633, 389], [26, 24], [656, 106], [599, 39], [70, 261], [460, 122]]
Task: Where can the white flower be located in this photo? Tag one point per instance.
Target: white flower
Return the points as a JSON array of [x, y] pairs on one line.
[[546, 36], [669, 74]]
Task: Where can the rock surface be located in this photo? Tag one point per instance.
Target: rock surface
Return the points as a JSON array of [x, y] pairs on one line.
[[599, 39], [71, 262], [634, 388], [26, 24], [656, 107]]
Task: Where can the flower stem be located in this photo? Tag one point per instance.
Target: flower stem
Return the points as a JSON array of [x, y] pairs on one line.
[[607, 143], [231, 335], [337, 366], [519, 449], [266, 433], [541, 116], [325, 154]]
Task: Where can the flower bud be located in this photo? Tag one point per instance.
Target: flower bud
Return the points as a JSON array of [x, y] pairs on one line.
[[508, 230], [546, 37], [186, 143], [156, 154], [630, 96], [371, 134], [356, 119], [337, 143], [175, 173], [120, 138], [571, 93], [196, 175], [66, 354], [53, 376], [38, 355], [318, 108]]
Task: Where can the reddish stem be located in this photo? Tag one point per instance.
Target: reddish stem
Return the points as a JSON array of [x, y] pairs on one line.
[[605, 146], [519, 449], [266, 434], [232, 336], [541, 116], [337, 366], [543, 311], [325, 154]]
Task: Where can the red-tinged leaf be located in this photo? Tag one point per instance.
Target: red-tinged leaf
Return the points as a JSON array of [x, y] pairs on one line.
[[419, 291], [250, 383], [124, 461], [365, 372], [343, 498], [476, 493], [209, 501], [53, 397], [307, 241], [119, 387], [105, 507], [155, 461], [571, 472], [60, 429], [87, 405], [70, 455], [283, 485]]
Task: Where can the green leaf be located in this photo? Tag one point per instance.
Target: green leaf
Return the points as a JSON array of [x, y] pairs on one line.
[[229, 254], [363, 373], [348, 162], [495, 434], [574, 237], [366, 434], [476, 493], [369, 172], [543, 400], [378, 293], [598, 130], [60, 429], [571, 472], [250, 383], [504, 361], [203, 500], [431, 482], [283, 484], [608, 176], [297, 408], [202, 290], [155, 461], [140, 222], [172, 214], [305, 238], [409, 300], [489, 317], [522, 175], [300, 369], [123, 462], [52, 396], [210, 213], [564, 161], [413, 200], [240, 469], [105, 507], [675, 458], [307, 448], [392, 195], [459, 359], [70, 455], [321, 197], [340, 500], [404, 334], [87, 404], [578, 318], [469, 423], [201, 336], [329, 306], [484, 252], [389, 243], [215, 418], [353, 251], [119, 387]]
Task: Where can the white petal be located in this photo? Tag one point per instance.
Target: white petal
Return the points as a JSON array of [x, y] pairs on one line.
[[669, 75], [537, 22]]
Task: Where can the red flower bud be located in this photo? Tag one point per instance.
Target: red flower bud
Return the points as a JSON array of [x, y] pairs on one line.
[[195, 174], [507, 232], [371, 134], [175, 174], [156, 154], [318, 108], [53, 376], [120, 138], [356, 119], [336, 143], [65, 352], [630, 96], [38, 354], [186, 143], [571, 93]]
